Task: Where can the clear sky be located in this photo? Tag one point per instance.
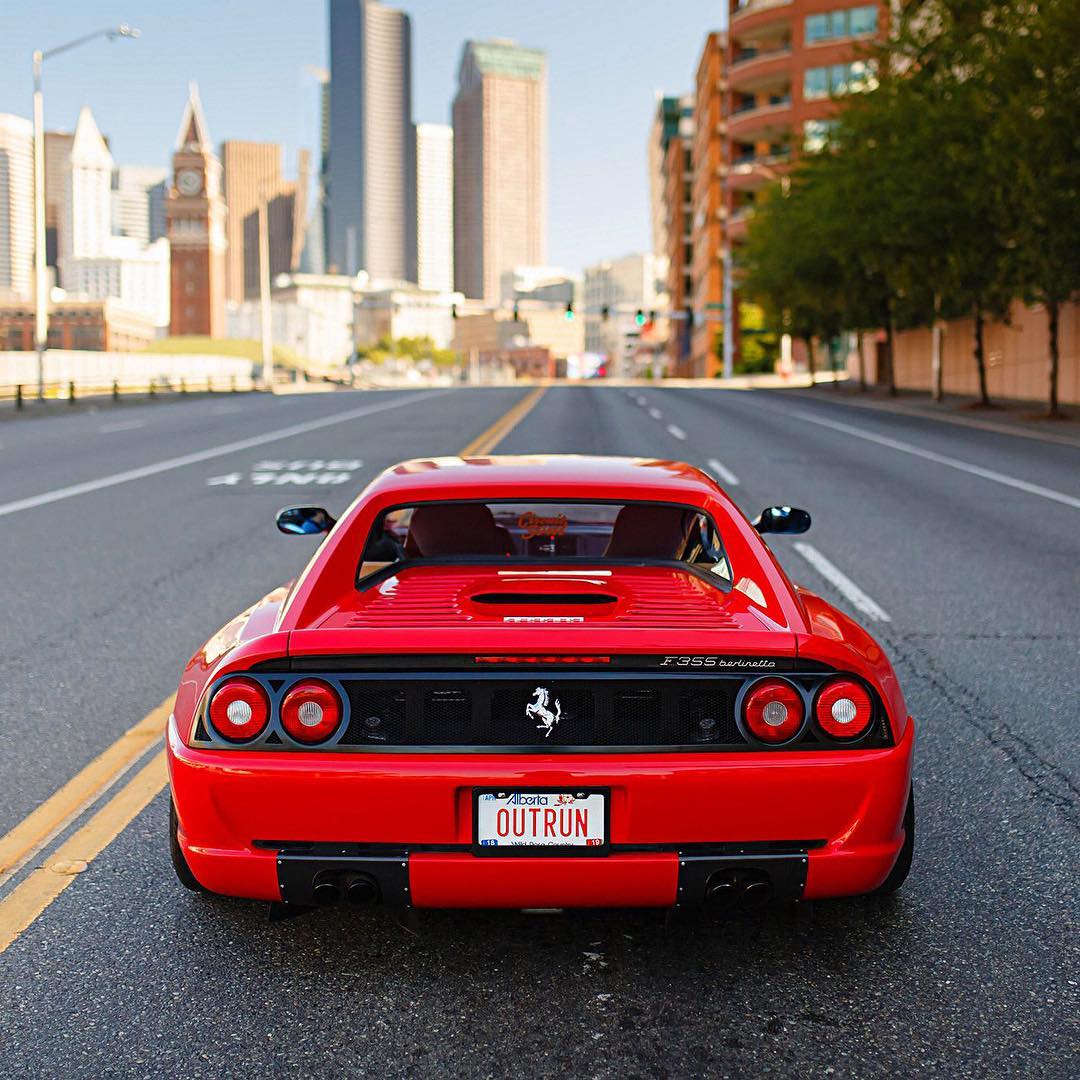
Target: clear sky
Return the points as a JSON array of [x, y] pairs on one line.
[[606, 58]]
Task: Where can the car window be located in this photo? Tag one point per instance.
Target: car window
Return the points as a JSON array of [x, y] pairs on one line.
[[545, 532]]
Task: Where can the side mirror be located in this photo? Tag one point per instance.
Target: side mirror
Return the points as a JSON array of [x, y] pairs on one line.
[[782, 519], [304, 520]]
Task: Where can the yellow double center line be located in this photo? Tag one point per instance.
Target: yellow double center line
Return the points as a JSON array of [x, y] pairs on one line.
[[37, 830]]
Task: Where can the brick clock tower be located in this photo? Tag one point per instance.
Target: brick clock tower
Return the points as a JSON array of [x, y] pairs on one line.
[[196, 225]]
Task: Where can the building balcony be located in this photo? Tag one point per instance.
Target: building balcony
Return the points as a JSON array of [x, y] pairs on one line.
[[750, 171], [752, 17], [760, 71], [756, 122]]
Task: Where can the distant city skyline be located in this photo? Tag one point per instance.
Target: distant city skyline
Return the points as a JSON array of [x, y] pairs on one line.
[[604, 69]]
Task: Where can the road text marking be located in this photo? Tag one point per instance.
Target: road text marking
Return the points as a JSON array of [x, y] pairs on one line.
[[842, 583], [121, 425], [723, 473], [208, 455], [943, 459]]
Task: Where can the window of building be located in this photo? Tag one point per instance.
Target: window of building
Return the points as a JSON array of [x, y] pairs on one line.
[[816, 134], [853, 78], [848, 22]]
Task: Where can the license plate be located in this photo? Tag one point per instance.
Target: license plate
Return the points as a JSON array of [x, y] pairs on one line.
[[544, 822]]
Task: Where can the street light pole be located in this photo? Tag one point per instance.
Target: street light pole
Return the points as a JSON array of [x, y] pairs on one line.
[[265, 312], [41, 315], [41, 309]]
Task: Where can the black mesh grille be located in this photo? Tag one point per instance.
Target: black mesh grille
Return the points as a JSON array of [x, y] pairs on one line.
[[552, 713]]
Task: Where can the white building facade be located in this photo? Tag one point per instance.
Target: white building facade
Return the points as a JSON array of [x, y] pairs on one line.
[[16, 206], [138, 202], [620, 297], [103, 255], [402, 310], [435, 206]]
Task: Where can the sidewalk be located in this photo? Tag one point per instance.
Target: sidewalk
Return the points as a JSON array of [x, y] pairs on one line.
[[1020, 418]]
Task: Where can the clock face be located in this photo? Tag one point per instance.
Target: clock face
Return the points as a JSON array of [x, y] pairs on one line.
[[189, 181]]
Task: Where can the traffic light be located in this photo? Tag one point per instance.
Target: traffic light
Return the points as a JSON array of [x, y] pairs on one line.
[[639, 318], [517, 317], [605, 311], [453, 311], [569, 312]]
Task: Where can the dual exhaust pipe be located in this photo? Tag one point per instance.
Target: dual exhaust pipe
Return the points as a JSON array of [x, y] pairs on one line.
[[331, 886], [730, 890]]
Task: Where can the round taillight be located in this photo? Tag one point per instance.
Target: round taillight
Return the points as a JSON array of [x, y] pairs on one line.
[[311, 711], [843, 709], [239, 709], [773, 711]]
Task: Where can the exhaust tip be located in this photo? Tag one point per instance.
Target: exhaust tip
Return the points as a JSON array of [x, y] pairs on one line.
[[361, 889], [325, 892], [756, 894], [721, 890]]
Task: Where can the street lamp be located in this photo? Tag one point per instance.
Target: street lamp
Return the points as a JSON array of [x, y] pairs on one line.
[[747, 168], [41, 314]]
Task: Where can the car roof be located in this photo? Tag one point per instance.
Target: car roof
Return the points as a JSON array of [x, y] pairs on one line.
[[579, 475]]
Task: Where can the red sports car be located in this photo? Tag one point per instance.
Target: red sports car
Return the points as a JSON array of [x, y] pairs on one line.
[[541, 682]]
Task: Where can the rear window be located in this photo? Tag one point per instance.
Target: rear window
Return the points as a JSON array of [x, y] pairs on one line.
[[544, 532]]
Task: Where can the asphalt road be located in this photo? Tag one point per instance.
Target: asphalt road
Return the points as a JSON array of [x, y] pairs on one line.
[[958, 548]]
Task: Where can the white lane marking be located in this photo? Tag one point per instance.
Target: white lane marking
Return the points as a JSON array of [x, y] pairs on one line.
[[676, 431], [206, 455], [122, 425], [641, 401], [943, 459], [723, 473], [842, 583], [656, 414]]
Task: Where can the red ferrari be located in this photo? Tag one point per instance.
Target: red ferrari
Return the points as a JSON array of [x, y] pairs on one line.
[[541, 682]]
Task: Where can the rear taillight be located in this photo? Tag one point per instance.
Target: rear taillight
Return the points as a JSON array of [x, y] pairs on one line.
[[773, 711], [843, 709], [239, 709], [311, 711]]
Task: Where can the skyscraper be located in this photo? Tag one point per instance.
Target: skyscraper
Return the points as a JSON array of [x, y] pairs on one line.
[[138, 202], [251, 171], [500, 164], [87, 219], [16, 206], [196, 217], [435, 206], [57, 155], [371, 174]]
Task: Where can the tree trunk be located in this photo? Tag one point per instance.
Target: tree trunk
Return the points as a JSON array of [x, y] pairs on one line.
[[862, 360], [980, 357], [937, 334], [1053, 311], [890, 364], [809, 342]]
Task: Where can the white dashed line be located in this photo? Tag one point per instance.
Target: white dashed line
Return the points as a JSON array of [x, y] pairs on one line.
[[942, 459], [676, 431], [723, 473], [842, 583], [656, 414], [208, 454], [641, 401]]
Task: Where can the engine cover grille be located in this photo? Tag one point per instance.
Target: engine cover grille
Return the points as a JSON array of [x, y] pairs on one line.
[[539, 713]]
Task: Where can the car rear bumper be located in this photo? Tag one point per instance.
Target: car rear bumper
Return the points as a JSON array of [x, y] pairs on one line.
[[260, 825]]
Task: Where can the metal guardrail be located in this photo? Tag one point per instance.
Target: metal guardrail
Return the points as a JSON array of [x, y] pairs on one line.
[[72, 390]]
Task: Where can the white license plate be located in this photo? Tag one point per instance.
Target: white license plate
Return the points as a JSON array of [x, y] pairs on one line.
[[541, 819]]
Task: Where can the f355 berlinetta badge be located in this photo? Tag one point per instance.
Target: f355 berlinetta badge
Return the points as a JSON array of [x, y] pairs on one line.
[[537, 709]]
